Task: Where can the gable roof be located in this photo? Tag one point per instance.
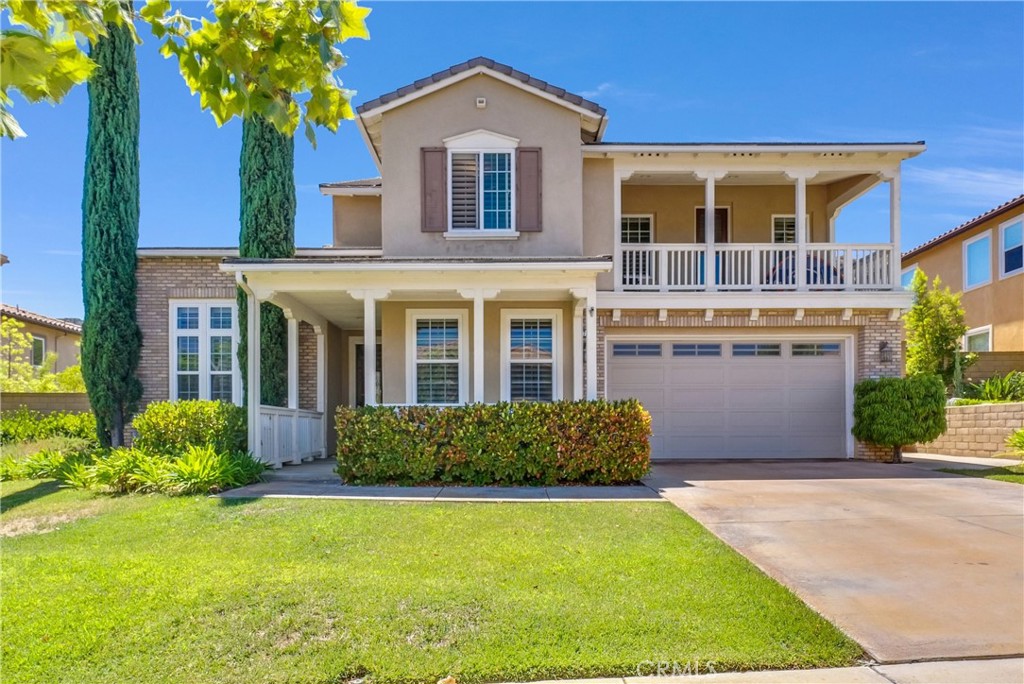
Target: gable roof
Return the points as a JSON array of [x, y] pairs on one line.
[[966, 226], [479, 63], [39, 319]]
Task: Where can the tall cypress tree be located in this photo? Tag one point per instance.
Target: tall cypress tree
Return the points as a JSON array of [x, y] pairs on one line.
[[111, 340], [267, 232]]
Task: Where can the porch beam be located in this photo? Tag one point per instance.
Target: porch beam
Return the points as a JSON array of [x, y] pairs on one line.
[[293, 308]]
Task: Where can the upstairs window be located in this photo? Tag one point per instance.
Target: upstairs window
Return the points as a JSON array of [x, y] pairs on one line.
[[481, 185], [637, 229], [1011, 252], [978, 261]]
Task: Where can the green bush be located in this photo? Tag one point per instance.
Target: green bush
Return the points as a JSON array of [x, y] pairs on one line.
[[894, 412], [22, 425], [170, 427], [592, 442], [198, 470], [1007, 388], [43, 459], [1016, 443]]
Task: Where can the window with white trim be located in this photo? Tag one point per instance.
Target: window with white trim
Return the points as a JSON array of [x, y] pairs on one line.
[[203, 346], [531, 342], [978, 261], [784, 228], [438, 359], [978, 339], [1011, 248], [481, 190], [637, 229], [38, 350]]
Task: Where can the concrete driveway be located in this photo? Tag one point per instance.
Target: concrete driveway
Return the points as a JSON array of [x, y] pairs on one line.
[[913, 564]]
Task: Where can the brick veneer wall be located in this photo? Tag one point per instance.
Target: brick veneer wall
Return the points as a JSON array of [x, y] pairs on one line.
[[978, 430], [870, 329], [163, 278], [46, 402]]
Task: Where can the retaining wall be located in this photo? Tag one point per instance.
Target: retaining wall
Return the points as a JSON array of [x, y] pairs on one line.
[[45, 402], [978, 430]]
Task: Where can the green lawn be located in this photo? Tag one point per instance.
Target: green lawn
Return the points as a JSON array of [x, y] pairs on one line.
[[1014, 473], [154, 589]]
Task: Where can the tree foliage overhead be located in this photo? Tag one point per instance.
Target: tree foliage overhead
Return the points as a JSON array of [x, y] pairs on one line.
[[41, 53], [111, 340], [935, 327], [257, 56]]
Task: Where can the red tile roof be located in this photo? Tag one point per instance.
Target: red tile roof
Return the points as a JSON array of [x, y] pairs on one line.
[[966, 226], [39, 319]]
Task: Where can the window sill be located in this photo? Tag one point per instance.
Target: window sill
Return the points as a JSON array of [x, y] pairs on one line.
[[481, 234]]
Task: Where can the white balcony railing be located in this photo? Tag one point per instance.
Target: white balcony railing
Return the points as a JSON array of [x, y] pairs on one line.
[[681, 267], [290, 435]]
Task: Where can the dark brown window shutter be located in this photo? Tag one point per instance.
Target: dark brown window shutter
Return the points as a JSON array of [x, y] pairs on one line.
[[435, 189], [528, 190]]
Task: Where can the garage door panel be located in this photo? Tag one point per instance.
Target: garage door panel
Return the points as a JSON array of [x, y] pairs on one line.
[[738, 407]]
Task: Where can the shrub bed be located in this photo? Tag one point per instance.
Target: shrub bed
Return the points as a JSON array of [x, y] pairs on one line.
[[586, 442], [22, 425], [166, 427]]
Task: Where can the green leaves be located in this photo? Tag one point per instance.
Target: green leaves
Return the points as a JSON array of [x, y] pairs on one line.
[[935, 326], [270, 58], [42, 56]]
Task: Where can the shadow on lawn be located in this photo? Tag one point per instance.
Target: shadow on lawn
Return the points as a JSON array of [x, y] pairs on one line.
[[38, 491]]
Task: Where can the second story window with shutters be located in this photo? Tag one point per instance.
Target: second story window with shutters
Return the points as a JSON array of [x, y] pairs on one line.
[[481, 184]]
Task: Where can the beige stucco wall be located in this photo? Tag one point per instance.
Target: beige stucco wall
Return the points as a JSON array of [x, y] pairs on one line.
[[357, 221], [999, 304], [64, 344], [393, 334], [750, 209], [510, 111], [599, 213]]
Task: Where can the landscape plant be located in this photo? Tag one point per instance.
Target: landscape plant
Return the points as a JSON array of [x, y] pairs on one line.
[[895, 412], [934, 330], [1009, 387], [24, 425], [171, 426], [111, 339], [529, 443], [18, 374]]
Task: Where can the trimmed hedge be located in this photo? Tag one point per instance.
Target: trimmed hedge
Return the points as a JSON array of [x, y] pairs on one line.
[[170, 427], [23, 425], [586, 442], [894, 412]]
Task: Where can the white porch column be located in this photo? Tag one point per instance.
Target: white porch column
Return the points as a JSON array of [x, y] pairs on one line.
[[577, 349], [894, 230], [370, 298], [321, 383], [710, 269], [479, 296], [293, 362], [800, 222], [253, 334], [591, 311]]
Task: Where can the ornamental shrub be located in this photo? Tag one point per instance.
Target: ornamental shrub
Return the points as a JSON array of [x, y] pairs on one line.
[[22, 425], [1007, 388], [170, 427], [894, 412], [586, 442]]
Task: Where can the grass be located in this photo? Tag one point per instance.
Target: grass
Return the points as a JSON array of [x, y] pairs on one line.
[[1014, 473], [156, 589]]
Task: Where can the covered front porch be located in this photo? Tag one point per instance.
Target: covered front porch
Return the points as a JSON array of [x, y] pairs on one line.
[[446, 332]]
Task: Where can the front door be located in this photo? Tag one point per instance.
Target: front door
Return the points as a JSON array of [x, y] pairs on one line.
[[360, 377]]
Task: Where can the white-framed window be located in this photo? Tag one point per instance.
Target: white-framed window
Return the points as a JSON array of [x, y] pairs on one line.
[[38, 350], [1011, 247], [437, 356], [784, 228], [978, 260], [203, 350], [481, 182], [531, 346], [978, 339], [637, 229], [907, 276]]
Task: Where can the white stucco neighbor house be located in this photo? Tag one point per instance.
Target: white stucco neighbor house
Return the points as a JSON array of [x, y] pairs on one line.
[[507, 251]]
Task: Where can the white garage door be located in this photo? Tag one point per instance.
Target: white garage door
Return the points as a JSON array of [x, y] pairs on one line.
[[763, 398]]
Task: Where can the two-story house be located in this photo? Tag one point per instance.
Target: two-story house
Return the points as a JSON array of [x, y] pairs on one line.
[[984, 260], [507, 252]]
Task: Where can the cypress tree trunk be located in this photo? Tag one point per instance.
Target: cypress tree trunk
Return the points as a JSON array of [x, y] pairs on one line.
[[111, 339], [267, 231]]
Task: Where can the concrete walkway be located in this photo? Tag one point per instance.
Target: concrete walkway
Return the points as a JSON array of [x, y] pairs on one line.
[[1000, 671], [913, 564], [317, 480]]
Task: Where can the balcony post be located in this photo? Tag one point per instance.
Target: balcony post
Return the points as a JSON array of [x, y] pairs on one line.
[[800, 221], [710, 265], [895, 267]]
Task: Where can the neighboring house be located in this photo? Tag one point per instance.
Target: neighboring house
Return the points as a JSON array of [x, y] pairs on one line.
[[984, 259], [56, 335], [509, 252]]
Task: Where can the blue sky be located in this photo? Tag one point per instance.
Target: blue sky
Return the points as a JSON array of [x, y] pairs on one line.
[[949, 73]]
